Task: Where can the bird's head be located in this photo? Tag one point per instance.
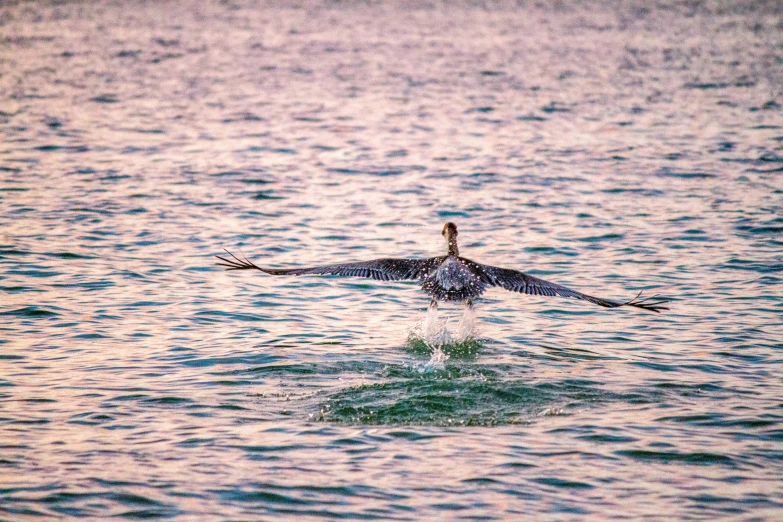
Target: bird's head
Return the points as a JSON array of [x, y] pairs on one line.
[[450, 233], [449, 230]]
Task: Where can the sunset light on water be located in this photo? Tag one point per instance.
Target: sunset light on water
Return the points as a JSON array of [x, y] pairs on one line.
[[609, 147]]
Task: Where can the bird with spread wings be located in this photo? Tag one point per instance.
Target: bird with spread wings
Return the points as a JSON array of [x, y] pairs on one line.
[[449, 278]]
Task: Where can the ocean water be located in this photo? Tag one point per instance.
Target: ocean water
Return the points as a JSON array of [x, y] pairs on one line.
[[609, 146]]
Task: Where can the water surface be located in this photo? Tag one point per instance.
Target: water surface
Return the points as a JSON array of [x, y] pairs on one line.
[[612, 148]]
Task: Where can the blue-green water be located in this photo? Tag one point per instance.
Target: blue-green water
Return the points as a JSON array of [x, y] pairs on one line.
[[610, 147]]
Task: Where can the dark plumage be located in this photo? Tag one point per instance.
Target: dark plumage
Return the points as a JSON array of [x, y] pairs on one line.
[[448, 278]]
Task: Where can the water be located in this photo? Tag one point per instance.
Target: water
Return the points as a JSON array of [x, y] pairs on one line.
[[612, 148]]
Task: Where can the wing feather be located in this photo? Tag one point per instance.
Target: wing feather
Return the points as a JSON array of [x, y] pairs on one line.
[[387, 269], [526, 284]]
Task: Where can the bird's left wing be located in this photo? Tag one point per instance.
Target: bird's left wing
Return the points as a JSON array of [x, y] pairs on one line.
[[526, 284], [389, 269]]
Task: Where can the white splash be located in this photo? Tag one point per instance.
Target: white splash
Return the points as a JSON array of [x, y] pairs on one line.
[[433, 327], [465, 326], [437, 360], [435, 333]]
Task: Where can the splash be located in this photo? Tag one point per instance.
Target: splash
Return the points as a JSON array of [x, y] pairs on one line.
[[435, 330], [466, 325], [434, 333], [432, 336], [437, 361]]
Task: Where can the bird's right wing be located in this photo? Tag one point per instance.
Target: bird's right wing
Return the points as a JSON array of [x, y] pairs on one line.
[[526, 284], [388, 269]]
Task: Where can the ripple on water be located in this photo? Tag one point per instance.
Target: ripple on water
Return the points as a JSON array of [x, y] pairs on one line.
[[33, 312], [140, 381], [456, 396]]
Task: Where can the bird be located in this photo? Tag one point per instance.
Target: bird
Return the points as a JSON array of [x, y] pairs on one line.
[[450, 277]]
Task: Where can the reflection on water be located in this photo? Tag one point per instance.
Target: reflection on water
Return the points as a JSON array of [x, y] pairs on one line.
[[611, 148]]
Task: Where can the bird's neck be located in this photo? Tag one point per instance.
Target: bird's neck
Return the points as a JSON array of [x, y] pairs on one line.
[[453, 249]]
